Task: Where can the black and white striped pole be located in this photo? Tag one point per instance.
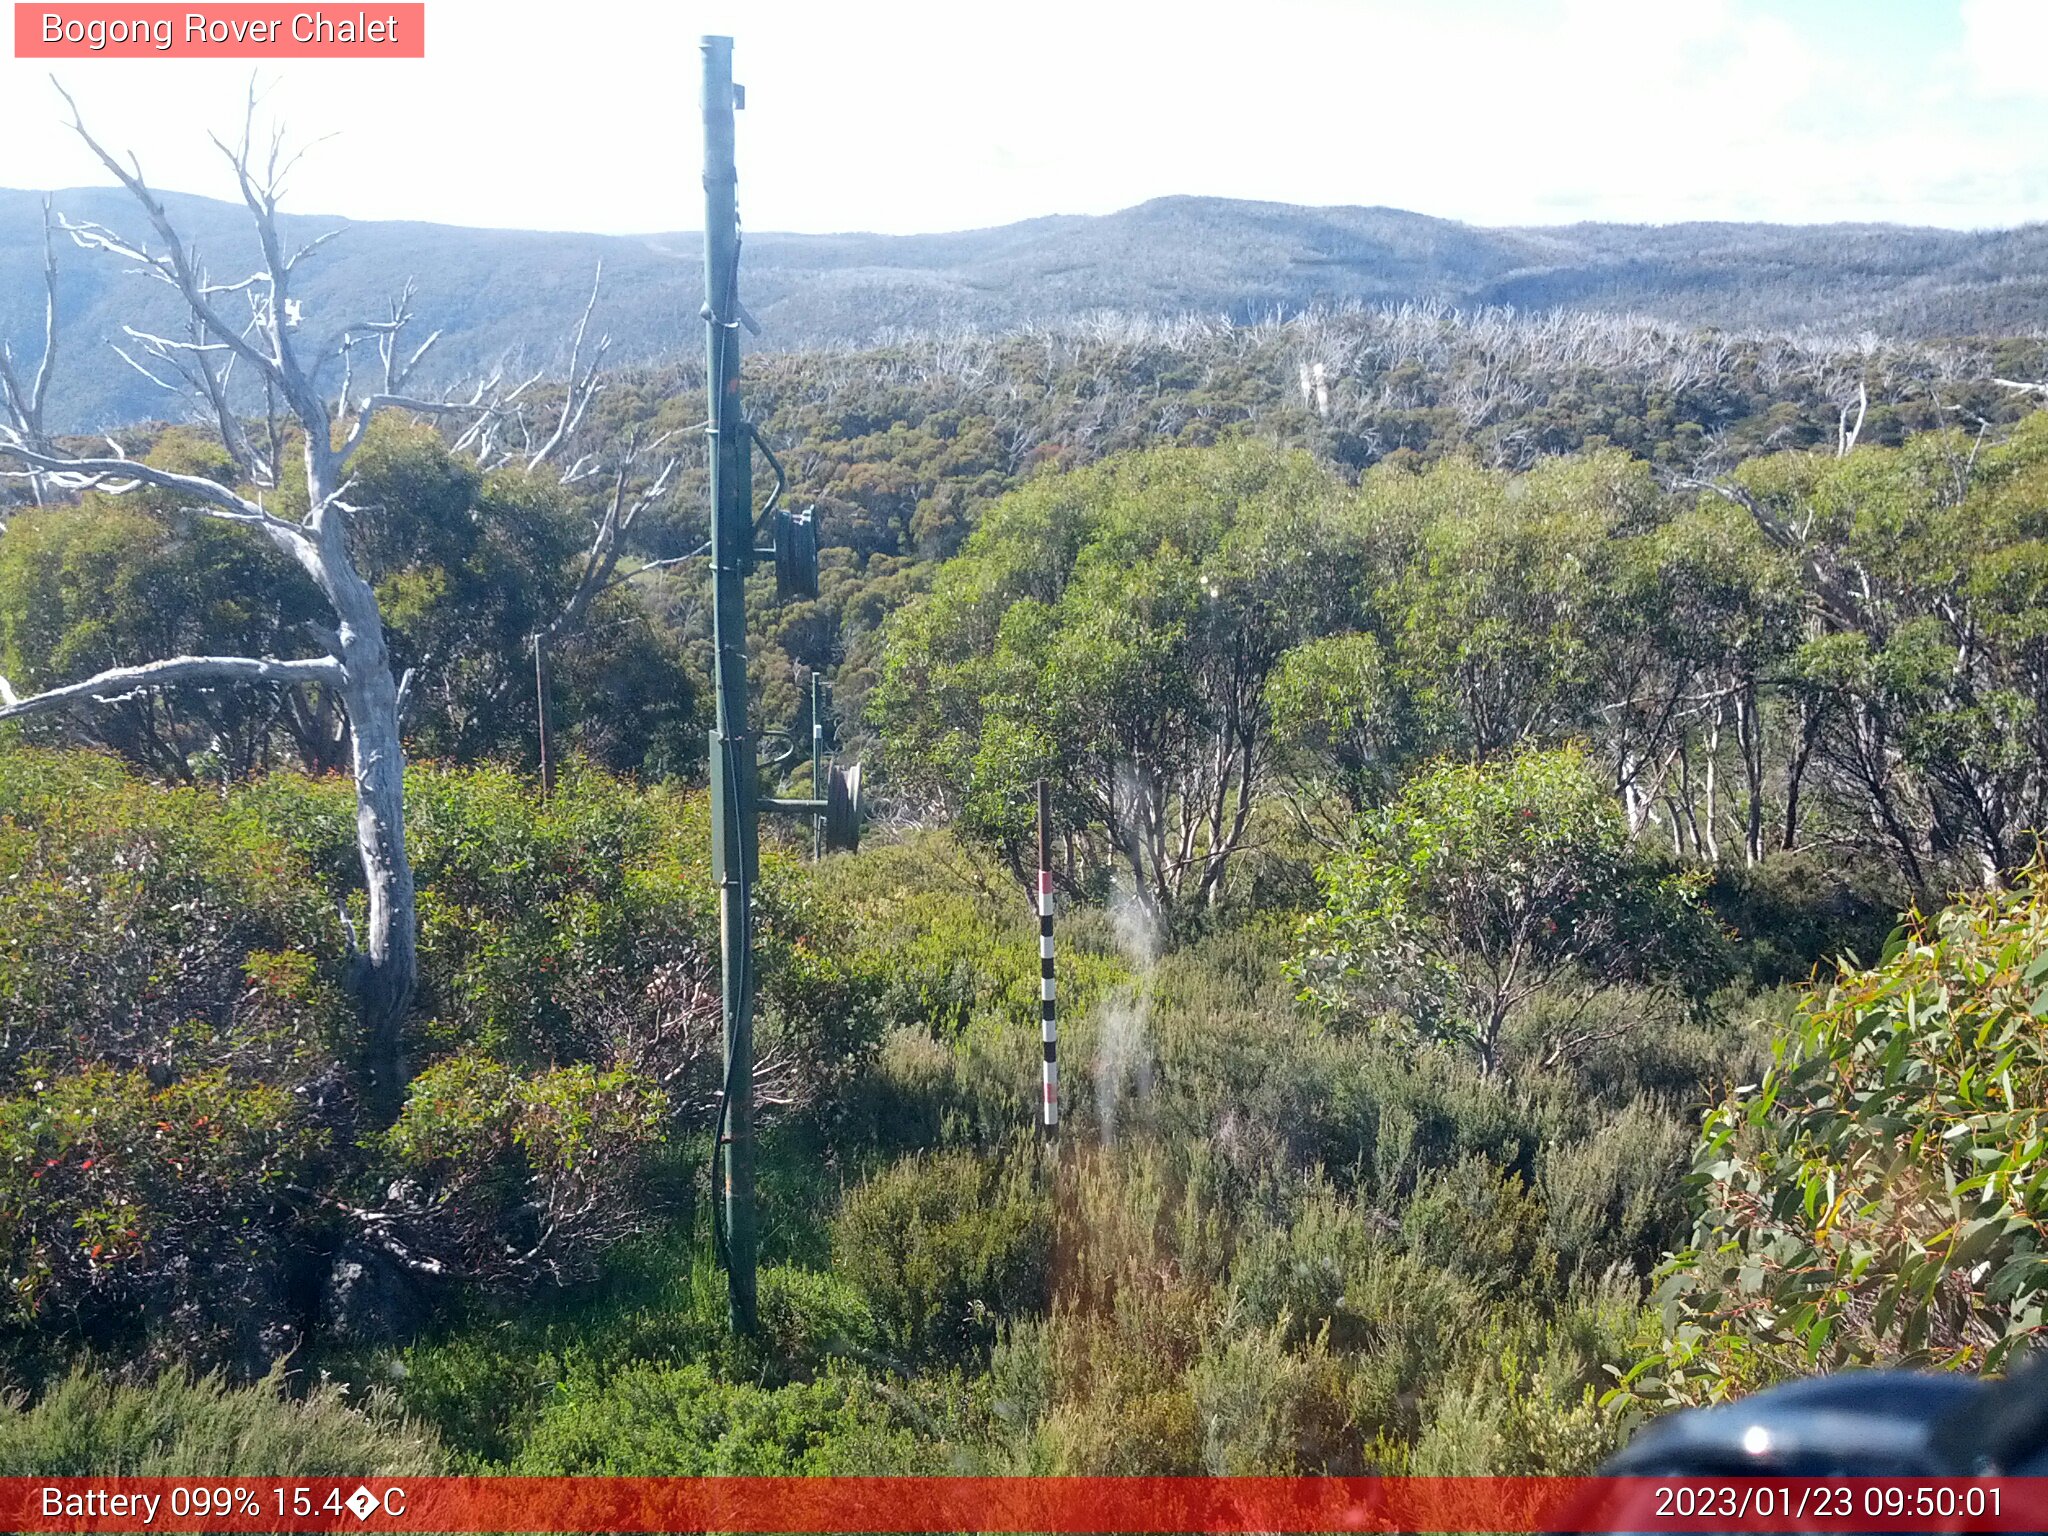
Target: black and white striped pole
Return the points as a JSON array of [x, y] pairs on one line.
[[1048, 1003]]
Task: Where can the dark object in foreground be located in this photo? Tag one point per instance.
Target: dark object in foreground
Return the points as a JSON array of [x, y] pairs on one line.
[[1862, 1424]]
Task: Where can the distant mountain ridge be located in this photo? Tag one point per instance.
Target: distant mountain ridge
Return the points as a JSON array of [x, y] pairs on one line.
[[493, 292]]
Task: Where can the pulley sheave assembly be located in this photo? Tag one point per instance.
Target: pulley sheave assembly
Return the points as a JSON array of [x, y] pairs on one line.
[[796, 554], [835, 807], [844, 810]]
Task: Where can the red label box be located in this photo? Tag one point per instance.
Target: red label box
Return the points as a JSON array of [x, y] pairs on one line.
[[377, 30]]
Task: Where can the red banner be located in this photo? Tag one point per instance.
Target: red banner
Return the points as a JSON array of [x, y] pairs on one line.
[[225, 31], [1006, 1504]]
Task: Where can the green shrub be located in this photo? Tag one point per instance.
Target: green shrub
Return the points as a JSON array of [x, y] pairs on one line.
[[1271, 1410], [1018, 1391], [1483, 884], [1124, 1396], [952, 947], [1481, 1222], [956, 931], [1403, 1325], [1154, 1431], [184, 1426], [154, 929], [1607, 1199], [1508, 1420], [581, 928], [1138, 1216], [479, 1391], [178, 1116], [650, 1421], [530, 1174], [169, 1083], [1295, 1273], [171, 1207], [943, 1245], [1641, 1046], [1791, 917], [538, 918], [485, 1385], [1878, 1196], [1419, 1113], [1523, 1399]]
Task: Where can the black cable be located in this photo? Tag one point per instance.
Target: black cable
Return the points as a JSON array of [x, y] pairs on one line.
[[721, 1248]]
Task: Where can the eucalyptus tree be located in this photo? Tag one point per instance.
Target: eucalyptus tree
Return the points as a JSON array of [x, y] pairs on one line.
[[1503, 595], [1114, 630], [1716, 613], [1339, 728], [1923, 672], [1482, 886], [87, 585], [250, 323]]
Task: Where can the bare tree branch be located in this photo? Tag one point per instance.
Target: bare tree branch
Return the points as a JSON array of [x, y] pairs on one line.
[[610, 530], [118, 475], [118, 683], [1834, 594], [582, 387], [175, 265]]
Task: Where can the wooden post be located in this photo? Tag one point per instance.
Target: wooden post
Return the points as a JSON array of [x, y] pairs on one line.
[[540, 699]]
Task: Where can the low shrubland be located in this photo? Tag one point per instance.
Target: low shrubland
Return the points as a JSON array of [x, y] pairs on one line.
[[1274, 1235]]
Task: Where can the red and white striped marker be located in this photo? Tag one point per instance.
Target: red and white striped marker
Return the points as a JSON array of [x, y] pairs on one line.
[[1047, 1000]]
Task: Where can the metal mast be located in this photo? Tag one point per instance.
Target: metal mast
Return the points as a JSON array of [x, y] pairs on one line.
[[835, 805], [733, 832]]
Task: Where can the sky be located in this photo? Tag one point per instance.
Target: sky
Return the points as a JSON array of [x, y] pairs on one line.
[[906, 116]]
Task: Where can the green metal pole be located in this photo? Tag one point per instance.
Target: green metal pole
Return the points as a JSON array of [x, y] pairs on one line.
[[817, 760], [733, 776]]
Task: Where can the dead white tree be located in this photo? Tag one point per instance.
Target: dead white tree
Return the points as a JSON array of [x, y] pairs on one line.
[[24, 403], [355, 664], [1847, 431]]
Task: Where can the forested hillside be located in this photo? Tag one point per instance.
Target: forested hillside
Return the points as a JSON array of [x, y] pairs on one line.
[[499, 294], [1493, 762]]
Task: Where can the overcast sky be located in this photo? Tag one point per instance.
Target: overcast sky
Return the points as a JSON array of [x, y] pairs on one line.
[[903, 116]]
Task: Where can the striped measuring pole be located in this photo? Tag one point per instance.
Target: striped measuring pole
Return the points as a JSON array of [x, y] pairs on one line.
[[1048, 1003]]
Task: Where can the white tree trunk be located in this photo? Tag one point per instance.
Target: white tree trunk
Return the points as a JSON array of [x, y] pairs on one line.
[[389, 962]]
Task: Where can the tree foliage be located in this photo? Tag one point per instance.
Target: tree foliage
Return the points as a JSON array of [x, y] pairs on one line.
[[1113, 631], [1575, 741], [1480, 887], [1877, 1197]]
